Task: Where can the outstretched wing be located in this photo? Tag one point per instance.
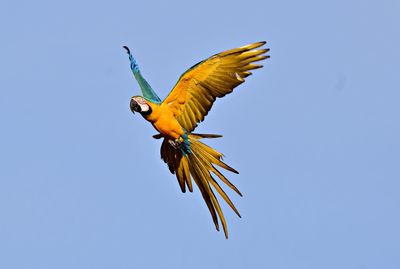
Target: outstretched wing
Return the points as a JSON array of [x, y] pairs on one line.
[[196, 90]]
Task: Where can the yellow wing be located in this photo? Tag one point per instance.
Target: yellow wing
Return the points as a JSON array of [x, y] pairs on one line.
[[196, 90]]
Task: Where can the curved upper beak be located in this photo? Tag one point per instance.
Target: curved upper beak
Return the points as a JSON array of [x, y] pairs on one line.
[[135, 107]]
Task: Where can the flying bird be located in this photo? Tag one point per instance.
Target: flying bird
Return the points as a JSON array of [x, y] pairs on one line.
[[176, 117]]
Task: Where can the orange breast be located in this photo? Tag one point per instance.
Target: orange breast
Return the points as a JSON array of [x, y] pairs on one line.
[[163, 120]]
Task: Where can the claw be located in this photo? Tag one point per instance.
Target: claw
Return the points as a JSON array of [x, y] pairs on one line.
[[181, 145], [174, 143]]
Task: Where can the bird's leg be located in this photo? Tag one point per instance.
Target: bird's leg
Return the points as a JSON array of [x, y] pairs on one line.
[[181, 144], [172, 143], [176, 143]]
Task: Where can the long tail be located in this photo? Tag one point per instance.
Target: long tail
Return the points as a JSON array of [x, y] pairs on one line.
[[200, 165]]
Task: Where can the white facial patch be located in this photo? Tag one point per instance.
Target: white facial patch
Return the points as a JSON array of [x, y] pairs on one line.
[[142, 103]]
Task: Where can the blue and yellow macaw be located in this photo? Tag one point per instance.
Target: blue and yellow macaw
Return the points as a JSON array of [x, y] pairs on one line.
[[187, 104]]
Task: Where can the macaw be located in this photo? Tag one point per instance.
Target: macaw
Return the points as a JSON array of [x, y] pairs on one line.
[[187, 104]]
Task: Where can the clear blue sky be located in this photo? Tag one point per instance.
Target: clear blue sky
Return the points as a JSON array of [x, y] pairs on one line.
[[314, 134]]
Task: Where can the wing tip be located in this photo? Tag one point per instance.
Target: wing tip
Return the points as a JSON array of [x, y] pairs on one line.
[[258, 44], [127, 49], [158, 136]]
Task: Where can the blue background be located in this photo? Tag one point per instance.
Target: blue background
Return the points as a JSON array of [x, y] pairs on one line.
[[314, 134]]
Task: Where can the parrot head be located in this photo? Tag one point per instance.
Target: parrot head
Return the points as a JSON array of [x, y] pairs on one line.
[[139, 104]]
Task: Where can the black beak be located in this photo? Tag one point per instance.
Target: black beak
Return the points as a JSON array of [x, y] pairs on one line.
[[135, 106]]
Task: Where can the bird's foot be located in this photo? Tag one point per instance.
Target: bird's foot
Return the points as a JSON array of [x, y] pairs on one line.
[[181, 144], [176, 143]]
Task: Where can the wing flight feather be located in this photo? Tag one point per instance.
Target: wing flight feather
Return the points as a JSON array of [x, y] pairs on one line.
[[196, 90]]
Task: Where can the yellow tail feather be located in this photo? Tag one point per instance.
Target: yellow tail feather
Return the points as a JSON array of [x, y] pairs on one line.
[[199, 166]]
